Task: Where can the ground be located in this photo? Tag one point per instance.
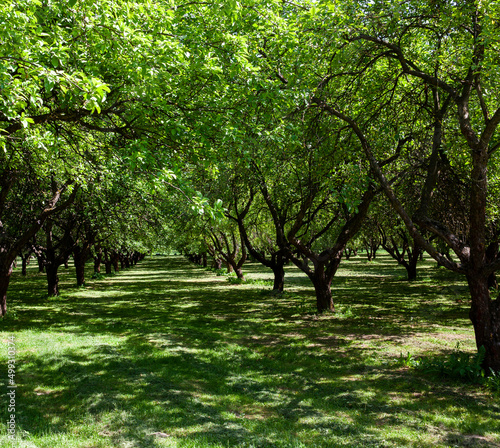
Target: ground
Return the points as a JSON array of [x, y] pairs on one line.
[[167, 354]]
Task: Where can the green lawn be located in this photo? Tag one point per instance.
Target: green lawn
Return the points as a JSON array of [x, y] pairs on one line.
[[167, 354]]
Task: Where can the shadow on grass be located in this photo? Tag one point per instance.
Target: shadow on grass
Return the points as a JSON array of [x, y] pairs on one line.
[[168, 355]]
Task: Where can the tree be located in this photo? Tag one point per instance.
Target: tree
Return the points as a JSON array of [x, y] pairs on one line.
[[446, 51]]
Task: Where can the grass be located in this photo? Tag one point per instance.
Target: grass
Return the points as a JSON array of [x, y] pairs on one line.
[[169, 355]]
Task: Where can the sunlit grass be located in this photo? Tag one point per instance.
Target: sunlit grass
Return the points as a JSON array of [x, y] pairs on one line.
[[169, 355]]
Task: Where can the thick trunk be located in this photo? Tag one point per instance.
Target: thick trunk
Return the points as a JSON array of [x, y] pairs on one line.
[[324, 299], [52, 279], [485, 317], [109, 266], [413, 258], [279, 277], [411, 270]]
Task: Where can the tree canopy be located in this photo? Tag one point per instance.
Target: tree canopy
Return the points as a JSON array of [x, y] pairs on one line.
[[270, 126]]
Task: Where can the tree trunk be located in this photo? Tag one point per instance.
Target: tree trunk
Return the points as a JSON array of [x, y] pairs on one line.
[[108, 264], [24, 265], [239, 273], [324, 299], [411, 270], [485, 317], [115, 259], [97, 262], [279, 277], [4, 285], [52, 279], [79, 258], [41, 264]]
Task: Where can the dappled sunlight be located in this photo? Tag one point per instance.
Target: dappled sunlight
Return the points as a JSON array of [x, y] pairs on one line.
[[153, 363]]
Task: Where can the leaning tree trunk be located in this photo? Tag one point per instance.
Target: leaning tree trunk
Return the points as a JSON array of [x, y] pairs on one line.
[[485, 317]]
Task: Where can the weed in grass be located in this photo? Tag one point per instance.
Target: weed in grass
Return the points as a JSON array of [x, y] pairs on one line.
[[98, 276], [221, 272], [457, 365], [344, 312], [235, 280], [492, 382]]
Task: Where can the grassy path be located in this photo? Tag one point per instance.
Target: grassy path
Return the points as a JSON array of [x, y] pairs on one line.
[[169, 355]]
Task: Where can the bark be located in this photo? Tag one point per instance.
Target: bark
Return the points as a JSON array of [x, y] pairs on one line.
[[350, 251], [276, 263], [229, 251], [126, 260], [98, 261], [4, 285], [485, 317], [322, 288], [79, 258], [484, 313], [52, 279], [108, 264], [326, 263], [41, 263], [411, 269], [25, 260], [115, 260], [279, 276], [413, 253]]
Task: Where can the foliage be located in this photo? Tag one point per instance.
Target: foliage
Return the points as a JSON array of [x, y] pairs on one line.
[[458, 365]]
